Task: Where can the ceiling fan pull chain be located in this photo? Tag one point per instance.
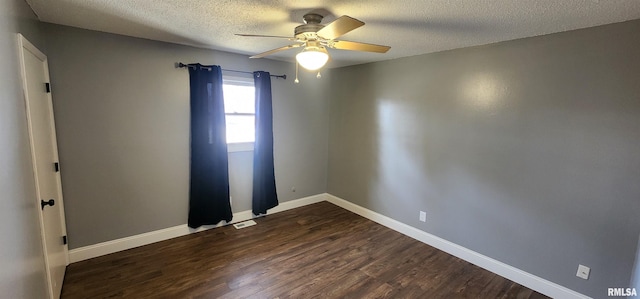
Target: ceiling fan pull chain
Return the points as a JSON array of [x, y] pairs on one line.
[[318, 75], [296, 81]]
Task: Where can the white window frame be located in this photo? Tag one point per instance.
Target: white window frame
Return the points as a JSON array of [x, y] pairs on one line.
[[246, 81], [240, 147]]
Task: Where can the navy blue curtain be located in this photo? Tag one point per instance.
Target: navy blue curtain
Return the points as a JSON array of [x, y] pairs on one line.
[[209, 171], [264, 179]]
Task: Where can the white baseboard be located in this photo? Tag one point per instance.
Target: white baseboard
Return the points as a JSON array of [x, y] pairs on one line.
[[104, 248], [531, 281]]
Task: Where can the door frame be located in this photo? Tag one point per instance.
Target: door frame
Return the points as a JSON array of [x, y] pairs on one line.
[[24, 44]]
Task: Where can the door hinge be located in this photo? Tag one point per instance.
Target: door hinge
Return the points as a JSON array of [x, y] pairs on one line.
[[47, 87], [64, 240], [56, 166]]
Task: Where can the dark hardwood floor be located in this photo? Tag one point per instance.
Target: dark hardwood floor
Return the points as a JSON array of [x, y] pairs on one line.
[[317, 251]]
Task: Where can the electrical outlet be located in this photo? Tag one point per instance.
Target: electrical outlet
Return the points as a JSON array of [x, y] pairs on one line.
[[583, 272], [423, 216]]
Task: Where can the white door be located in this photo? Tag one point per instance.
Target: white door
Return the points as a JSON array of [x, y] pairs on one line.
[[44, 154]]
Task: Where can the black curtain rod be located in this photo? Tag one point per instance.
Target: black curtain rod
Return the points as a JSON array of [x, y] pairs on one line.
[[182, 65]]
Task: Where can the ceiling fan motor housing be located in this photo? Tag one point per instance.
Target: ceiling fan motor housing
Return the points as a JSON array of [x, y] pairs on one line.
[[307, 31]]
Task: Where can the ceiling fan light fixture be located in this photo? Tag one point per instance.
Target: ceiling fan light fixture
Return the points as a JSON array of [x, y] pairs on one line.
[[313, 58]]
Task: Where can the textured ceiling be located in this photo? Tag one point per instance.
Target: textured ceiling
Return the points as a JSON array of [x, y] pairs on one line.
[[410, 27]]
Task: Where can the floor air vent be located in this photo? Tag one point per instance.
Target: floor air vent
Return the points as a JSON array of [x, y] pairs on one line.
[[244, 224]]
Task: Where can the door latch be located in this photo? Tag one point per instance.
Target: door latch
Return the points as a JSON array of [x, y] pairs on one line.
[[49, 202]]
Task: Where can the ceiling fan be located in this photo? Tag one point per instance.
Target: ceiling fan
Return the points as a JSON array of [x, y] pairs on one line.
[[316, 38]]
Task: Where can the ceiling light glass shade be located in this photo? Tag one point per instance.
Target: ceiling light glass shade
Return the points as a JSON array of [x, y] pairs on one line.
[[313, 58]]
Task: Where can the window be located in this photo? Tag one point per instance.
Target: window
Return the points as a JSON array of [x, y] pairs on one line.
[[240, 112]]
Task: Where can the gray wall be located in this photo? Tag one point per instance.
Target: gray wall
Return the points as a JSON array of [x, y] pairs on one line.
[[122, 116], [22, 271], [635, 276], [526, 151]]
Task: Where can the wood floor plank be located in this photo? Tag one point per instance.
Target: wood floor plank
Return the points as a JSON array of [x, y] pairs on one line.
[[316, 251]]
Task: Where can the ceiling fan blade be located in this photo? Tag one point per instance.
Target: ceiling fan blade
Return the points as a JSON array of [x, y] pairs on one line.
[[276, 50], [259, 35], [356, 46], [339, 27]]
